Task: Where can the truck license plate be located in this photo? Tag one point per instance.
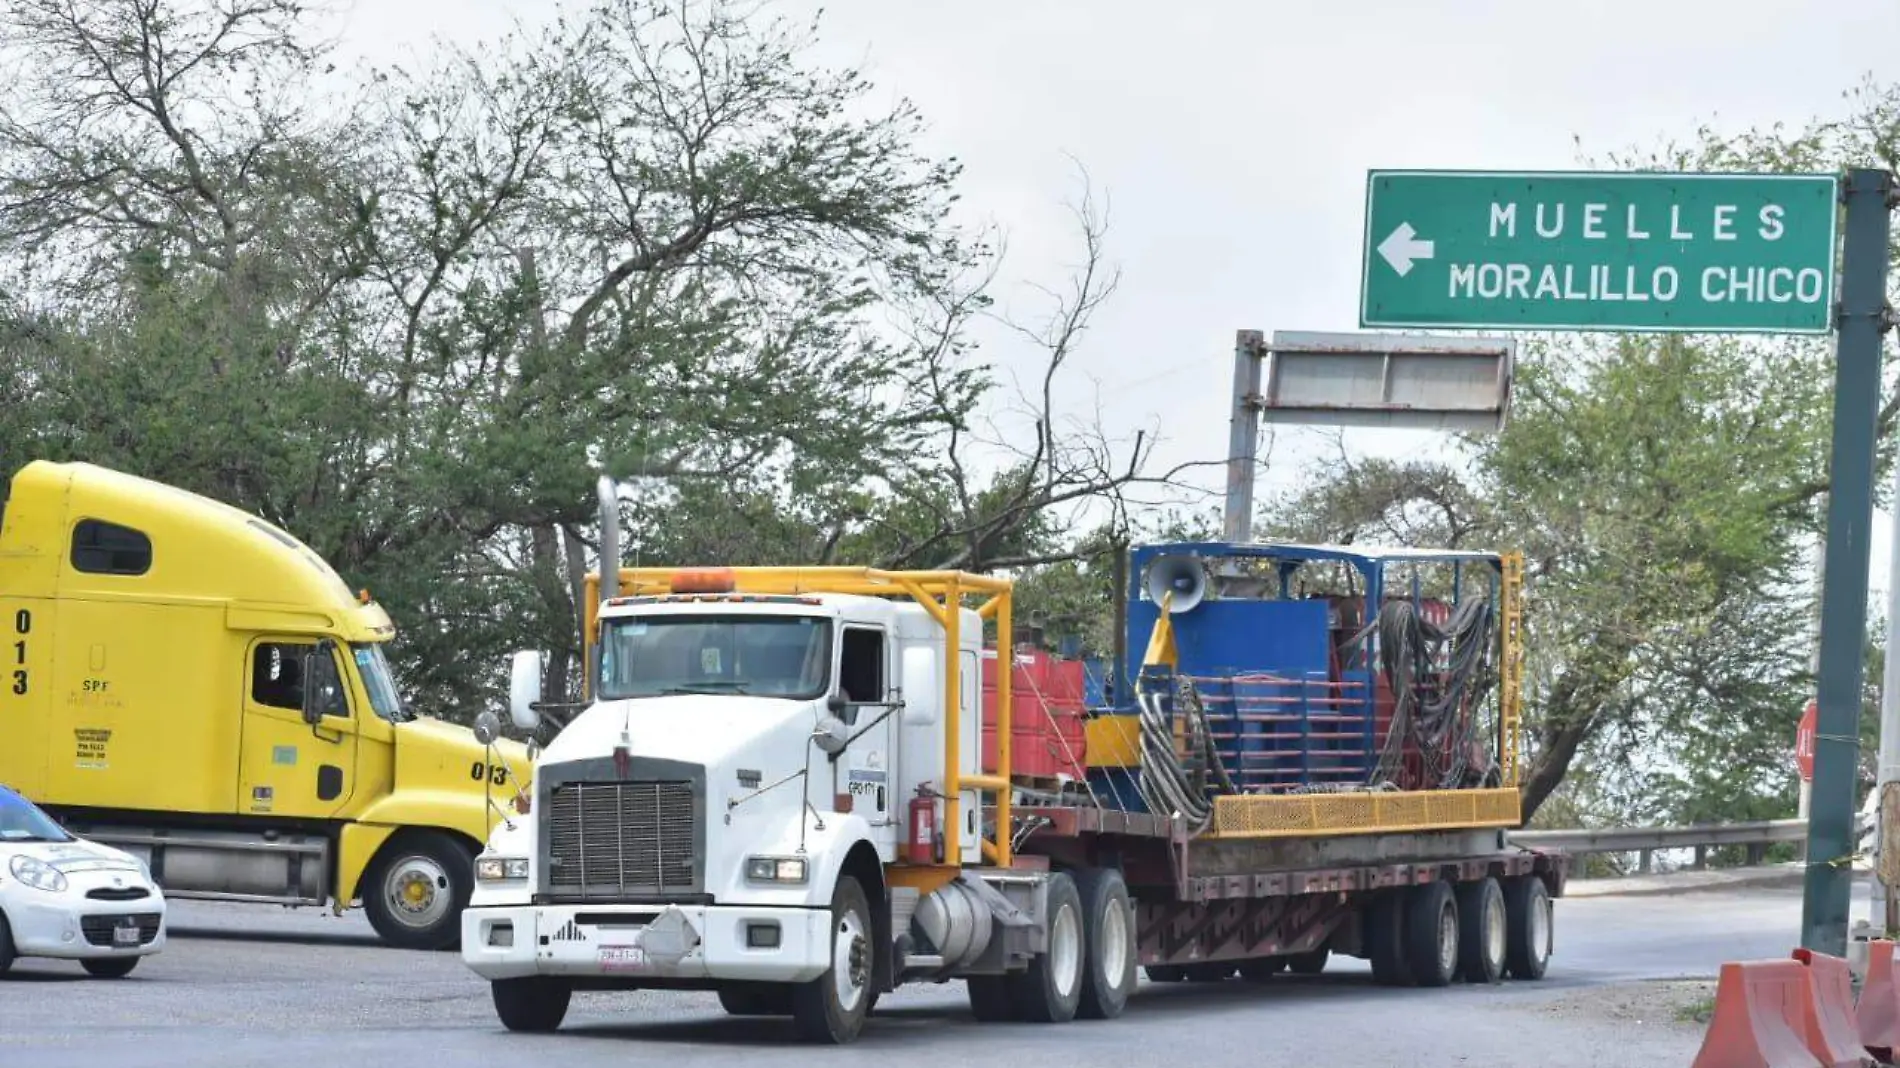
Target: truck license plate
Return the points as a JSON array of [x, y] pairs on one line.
[[125, 936], [622, 958]]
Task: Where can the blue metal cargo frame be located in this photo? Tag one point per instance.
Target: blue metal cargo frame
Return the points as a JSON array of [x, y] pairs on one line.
[[1373, 566]]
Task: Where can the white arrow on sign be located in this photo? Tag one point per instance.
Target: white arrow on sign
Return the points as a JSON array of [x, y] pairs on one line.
[[1403, 246]]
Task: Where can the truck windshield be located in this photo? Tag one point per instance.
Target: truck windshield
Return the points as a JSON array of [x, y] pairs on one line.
[[22, 821], [379, 681], [765, 656]]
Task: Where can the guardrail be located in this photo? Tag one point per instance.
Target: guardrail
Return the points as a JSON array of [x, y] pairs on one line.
[[1755, 835]]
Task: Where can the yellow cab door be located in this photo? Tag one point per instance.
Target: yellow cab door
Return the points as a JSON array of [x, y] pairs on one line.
[[290, 766]]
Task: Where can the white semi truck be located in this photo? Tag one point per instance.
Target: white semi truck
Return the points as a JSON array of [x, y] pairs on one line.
[[776, 792]]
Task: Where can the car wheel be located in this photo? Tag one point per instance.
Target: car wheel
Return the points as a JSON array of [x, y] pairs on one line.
[[109, 967], [7, 955], [417, 888]]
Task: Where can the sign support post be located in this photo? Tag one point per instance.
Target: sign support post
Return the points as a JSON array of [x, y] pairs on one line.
[[1864, 319]]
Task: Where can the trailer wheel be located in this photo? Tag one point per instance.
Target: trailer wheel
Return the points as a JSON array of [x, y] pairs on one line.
[[831, 1008], [756, 999], [1164, 973], [1431, 934], [1481, 931], [1529, 924], [1050, 989], [1261, 969], [532, 1003], [1384, 920], [416, 889], [1108, 927]]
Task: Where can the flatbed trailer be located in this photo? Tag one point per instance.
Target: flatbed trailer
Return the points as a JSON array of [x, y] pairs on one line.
[[779, 791], [1205, 910]]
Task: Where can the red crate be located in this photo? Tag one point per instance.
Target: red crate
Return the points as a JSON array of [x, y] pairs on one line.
[[1047, 737]]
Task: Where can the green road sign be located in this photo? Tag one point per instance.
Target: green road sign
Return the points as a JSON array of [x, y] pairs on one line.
[[1586, 250]]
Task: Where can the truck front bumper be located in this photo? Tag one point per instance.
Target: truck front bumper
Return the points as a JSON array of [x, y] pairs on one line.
[[632, 942]]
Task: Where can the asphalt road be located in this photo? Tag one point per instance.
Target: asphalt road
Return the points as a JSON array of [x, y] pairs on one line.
[[243, 985]]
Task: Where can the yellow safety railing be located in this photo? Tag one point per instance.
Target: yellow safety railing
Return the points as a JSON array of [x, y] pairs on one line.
[[941, 593], [1511, 669]]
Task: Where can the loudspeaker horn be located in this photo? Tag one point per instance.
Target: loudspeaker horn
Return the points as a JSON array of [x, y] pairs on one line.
[[1180, 575]]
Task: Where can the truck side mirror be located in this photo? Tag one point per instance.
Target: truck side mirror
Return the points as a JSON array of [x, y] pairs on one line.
[[319, 681], [524, 689], [923, 689], [841, 707]]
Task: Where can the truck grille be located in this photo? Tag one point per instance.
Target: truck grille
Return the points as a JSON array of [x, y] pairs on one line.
[[621, 839]]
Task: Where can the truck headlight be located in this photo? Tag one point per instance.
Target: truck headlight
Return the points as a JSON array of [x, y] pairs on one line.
[[500, 869], [775, 869], [37, 874]]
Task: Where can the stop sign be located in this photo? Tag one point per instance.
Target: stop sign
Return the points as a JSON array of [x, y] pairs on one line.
[[1804, 741]]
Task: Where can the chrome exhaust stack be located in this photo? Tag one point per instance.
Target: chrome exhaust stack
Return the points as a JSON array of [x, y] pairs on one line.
[[607, 490]]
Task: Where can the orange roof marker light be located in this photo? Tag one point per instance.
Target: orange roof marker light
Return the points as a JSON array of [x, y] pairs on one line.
[[704, 580]]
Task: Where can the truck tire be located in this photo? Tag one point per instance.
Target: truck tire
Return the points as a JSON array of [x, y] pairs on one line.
[[1528, 927], [756, 999], [1108, 930], [1384, 922], [535, 1003], [1481, 931], [1431, 934], [1050, 989], [416, 889], [831, 1009]]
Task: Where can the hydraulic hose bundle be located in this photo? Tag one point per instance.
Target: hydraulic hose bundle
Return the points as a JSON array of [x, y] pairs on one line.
[[1439, 725], [1167, 785]]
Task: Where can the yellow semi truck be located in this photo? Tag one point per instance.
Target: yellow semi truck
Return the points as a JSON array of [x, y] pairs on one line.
[[188, 682]]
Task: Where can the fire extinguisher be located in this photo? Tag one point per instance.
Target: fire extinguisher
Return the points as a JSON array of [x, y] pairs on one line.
[[923, 827]]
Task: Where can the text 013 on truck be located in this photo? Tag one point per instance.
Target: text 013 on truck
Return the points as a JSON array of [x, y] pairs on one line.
[[777, 792], [191, 684]]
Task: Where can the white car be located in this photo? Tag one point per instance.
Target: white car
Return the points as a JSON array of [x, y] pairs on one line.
[[70, 899]]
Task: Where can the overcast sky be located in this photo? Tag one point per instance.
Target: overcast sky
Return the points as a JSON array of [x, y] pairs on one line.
[[1231, 139]]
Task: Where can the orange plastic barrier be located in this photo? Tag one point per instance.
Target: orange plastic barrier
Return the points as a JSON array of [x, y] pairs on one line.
[[1879, 1012], [1759, 1019], [1827, 1012]]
